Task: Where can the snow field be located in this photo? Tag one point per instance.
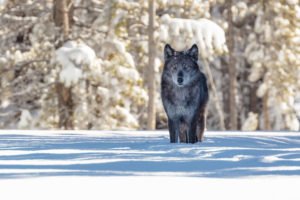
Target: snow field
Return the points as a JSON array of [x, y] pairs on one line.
[[145, 187], [144, 165]]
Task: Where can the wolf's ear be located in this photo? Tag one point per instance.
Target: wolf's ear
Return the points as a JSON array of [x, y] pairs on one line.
[[193, 52], [168, 52]]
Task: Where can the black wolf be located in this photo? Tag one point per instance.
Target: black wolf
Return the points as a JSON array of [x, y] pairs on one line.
[[184, 94]]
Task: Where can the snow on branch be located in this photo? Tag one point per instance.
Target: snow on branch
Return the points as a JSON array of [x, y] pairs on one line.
[[17, 18], [183, 33], [72, 56], [115, 46], [2, 3]]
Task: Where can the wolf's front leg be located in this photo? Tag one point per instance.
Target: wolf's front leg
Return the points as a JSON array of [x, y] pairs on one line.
[[173, 130], [192, 138]]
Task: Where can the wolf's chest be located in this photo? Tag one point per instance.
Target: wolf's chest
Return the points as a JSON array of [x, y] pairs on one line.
[[185, 96], [181, 102]]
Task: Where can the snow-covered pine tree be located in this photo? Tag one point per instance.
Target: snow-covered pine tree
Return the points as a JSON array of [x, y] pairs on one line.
[[272, 52]]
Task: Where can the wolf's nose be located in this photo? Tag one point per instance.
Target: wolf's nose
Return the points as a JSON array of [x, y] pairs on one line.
[[180, 80], [180, 77]]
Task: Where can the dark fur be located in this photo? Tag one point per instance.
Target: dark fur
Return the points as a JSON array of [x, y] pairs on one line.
[[184, 94]]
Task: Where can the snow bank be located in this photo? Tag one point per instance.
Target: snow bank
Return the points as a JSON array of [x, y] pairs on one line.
[[251, 123], [25, 119]]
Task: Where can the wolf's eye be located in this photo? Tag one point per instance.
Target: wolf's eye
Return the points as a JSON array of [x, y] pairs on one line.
[[185, 68]]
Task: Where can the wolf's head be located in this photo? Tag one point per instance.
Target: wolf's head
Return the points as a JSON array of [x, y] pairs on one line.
[[181, 66]]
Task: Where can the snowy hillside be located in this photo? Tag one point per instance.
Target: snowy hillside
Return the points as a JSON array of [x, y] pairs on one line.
[[77, 164]]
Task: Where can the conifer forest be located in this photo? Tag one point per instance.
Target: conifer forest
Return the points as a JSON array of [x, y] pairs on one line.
[[97, 64]]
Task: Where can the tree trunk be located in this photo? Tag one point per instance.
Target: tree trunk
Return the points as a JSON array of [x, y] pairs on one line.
[[63, 18], [63, 15], [231, 70], [151, 79], [65, 106], [215, 95], [267, 125]]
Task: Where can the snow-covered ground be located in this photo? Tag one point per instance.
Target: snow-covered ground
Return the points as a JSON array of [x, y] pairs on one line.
[[144, 165]]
